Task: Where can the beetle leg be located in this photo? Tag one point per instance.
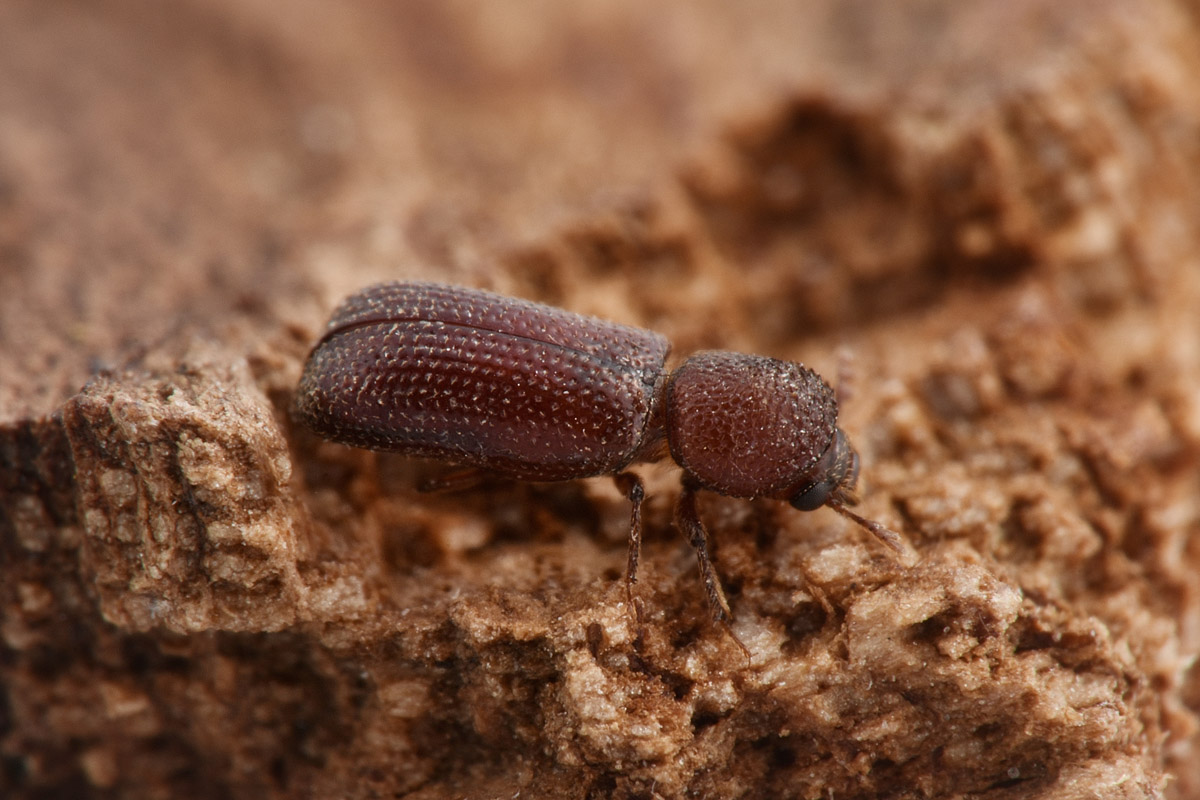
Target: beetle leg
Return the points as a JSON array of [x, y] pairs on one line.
[[458, 480], [688, 521], [844, 389], [632, 487]]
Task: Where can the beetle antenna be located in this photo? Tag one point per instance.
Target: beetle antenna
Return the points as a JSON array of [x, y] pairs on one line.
[[844, 390], [878, 530]]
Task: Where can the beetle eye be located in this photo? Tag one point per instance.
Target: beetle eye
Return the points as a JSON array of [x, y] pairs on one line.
[[835, 474], [813, 496]]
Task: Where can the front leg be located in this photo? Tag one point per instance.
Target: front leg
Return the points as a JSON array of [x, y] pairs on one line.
[[688, 520]]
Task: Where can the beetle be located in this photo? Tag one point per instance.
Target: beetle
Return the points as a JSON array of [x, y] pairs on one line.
[[537, 393]]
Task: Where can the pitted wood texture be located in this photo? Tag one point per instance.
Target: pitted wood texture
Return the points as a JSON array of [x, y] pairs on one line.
[[1000, 229]]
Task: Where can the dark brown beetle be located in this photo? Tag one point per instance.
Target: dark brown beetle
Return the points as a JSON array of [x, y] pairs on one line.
[[537, 393]]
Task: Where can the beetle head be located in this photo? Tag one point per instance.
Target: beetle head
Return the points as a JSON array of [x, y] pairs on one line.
[[833, 478]]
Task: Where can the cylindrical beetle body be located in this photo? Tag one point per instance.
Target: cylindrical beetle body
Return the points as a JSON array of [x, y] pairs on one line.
[[518, 388], [538, 393]]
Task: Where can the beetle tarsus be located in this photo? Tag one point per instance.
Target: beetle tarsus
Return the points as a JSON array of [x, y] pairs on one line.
[[457, 480], [632, 487], [844, 389], [688, 520]]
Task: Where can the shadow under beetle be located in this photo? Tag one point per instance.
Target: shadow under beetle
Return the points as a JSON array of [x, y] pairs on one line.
[[537, 393]]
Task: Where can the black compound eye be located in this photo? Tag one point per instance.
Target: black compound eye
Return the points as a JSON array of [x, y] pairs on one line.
[[813, 496]]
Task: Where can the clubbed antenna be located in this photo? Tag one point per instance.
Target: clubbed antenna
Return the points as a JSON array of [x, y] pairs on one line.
[[880, 531]]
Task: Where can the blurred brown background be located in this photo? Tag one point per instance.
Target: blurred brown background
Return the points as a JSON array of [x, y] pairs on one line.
[[987, 210]]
